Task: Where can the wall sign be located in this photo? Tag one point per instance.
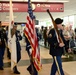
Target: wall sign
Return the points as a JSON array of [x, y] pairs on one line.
[[37, 7]]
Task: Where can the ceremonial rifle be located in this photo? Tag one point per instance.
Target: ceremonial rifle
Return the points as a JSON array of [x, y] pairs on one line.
[[55, 27]]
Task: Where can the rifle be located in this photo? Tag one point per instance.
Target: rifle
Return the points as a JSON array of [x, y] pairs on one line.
[[55, 26]]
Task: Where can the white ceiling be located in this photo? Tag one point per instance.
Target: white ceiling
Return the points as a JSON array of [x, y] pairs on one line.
[[69, 9]]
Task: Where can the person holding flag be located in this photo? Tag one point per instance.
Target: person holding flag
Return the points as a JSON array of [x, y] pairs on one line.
[[29, 51], [15, 32], [13, 41], [33, 46]]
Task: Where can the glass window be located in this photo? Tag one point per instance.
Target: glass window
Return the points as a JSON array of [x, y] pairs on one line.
[[71, 21]]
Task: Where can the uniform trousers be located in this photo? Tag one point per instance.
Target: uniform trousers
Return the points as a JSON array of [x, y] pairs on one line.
[[31, 67], [57, 63], [2, 49]]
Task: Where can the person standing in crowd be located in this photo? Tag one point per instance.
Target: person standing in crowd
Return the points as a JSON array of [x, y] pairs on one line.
[[50, 27], [67, 37], [45, 36], [41, 31], [71, 31], [3, 39], [75, 32], [56, 48], [18, 38]]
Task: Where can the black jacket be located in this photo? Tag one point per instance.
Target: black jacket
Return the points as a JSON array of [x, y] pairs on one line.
[[55, 50], [3, 37]]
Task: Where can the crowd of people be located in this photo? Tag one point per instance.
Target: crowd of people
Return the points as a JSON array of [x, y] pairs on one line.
[[68, 32]]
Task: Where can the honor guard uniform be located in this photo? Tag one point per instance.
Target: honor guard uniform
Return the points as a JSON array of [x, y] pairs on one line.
[[56, 48], [31, 68], [28, 49], [3, 38], [18, 38]]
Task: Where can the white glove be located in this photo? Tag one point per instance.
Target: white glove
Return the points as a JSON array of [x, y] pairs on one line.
[[30, 51]]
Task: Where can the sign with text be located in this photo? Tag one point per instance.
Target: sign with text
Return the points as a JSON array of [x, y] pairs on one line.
[[37, 7]]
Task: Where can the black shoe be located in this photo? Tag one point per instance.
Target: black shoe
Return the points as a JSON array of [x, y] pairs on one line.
[[16, 72], [1, 68], [29, 70]]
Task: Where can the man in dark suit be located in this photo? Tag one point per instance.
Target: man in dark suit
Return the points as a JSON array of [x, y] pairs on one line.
[[56, 48], [3, 37], [18, 38]]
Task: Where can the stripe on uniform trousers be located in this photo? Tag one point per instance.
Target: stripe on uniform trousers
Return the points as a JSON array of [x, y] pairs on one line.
[[57, 65]]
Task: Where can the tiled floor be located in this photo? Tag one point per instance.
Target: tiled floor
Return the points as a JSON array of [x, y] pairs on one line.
[[68, 65]]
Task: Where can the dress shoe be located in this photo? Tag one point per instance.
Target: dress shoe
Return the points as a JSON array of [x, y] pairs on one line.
[[29, 70], [16, 72], [1, 68]]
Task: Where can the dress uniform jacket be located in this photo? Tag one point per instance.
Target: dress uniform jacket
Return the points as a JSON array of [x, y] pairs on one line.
[[3, 37], [18, 38], [55, 50]]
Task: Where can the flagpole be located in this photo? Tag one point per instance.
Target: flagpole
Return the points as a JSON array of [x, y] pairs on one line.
[[31, 57], [12, 39], [30, 33]]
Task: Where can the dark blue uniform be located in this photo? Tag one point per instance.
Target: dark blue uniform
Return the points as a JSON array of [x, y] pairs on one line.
[[3, 37], [56, 51], [18, 38], [32, 70], [31, 67]]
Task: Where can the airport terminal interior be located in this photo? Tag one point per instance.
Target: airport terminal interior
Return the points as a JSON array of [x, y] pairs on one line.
[[65, 9]]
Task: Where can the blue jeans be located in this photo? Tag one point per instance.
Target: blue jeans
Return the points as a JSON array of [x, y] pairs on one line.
[[55, 67]]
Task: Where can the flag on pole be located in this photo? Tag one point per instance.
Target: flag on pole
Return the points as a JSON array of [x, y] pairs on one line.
[[12, 41], [30, 33]]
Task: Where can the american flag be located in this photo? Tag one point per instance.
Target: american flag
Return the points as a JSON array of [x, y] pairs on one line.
[[30, 33]]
